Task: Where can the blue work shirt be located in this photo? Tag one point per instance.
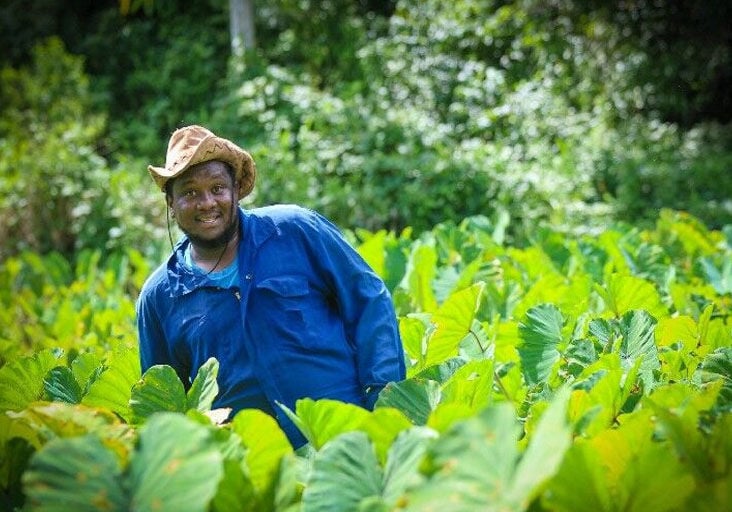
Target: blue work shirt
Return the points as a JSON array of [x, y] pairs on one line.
[[308, 319]]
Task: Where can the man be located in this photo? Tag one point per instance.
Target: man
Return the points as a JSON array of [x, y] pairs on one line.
[[275, 294]]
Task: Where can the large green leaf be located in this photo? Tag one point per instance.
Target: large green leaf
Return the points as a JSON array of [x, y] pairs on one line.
[[78, 474], [452, 321], [678, 408], [85, 368], [322, 420], [159, 389], [421, 270], [21, 381], [266, 445], [541, 334], [112, 388], [347, 476], [541, 460], [469, 467], [477, 464], [471, 385], [383, 425], [718, 365], [447, 414], [288, 491], [345, 473], [416, 398], [402, 465], [638, 341], [412, 331], [679, 329], [235, 490], [714, 488], [61, 386], [373, 250], [204, 389], [623, 293], [622, 468], [580, 483], [176, 467]]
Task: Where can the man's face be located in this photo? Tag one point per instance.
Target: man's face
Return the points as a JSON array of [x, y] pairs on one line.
[[203, 200]]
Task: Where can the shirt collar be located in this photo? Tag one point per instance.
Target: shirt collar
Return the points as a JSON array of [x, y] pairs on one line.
[[254, 230]]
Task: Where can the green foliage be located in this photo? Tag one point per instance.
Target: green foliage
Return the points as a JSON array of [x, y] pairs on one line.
[[57, 192], [163, 472], [623, 388], [50, 175], [541, 334], [523, 109], [160, 389], [47, 302], [556, 359], [172, 72], [407, 114]]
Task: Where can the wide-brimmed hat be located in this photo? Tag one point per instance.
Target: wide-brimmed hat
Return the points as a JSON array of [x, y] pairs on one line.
[[193, 145]]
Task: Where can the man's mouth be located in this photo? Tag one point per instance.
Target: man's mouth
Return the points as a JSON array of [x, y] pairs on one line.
[[208, 219]]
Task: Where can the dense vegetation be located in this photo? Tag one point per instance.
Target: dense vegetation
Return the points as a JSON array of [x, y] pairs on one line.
[[543, 185], [588, 372], [378, 114]]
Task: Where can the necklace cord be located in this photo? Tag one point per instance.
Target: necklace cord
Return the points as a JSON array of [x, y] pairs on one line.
[[226, 245]]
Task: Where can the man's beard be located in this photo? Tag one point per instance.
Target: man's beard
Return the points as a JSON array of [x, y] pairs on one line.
[[218, 242]]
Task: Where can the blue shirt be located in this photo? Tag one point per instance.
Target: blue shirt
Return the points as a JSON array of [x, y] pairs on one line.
[[252, 396], [309, 318]]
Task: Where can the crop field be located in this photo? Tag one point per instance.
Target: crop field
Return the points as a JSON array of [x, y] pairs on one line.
[[588, 372]]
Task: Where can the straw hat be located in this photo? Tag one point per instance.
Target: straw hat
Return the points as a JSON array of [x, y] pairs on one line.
[[193, 145]]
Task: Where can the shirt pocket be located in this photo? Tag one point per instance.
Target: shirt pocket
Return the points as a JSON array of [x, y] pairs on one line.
[[289, 289], [282, 305]]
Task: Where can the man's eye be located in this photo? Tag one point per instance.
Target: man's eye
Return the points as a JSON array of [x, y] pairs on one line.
[[189, 193], [218, 189]]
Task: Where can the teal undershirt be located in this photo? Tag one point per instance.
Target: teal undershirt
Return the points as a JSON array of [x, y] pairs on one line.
[[224, 278]]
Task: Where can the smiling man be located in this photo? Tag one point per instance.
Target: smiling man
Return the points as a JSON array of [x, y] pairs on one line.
[[275, 294]]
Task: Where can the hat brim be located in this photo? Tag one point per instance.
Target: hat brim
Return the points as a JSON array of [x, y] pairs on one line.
[[212, 148]]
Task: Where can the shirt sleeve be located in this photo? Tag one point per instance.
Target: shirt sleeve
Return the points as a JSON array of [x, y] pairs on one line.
[[365, 305], [152, 342], [154, 348]]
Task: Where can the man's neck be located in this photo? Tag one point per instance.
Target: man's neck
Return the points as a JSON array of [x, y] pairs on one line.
[[211, 259]]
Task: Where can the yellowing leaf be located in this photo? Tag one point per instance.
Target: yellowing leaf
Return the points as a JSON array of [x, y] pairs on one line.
[[681, 329], [322, 420], [266, 445], [623, 293]]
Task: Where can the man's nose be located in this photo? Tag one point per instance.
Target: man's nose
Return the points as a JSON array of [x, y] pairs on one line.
[[206, 200]]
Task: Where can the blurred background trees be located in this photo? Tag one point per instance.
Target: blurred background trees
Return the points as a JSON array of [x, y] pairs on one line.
[[380, 114]]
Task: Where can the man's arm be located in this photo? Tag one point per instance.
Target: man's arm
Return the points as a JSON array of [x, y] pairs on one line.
[[366, 307], [154, 348]]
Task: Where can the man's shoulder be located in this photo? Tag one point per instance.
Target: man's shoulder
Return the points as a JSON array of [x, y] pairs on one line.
[[156, 281], [282, 215]]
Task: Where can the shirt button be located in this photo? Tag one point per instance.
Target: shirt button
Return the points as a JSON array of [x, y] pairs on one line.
[[248, 277]]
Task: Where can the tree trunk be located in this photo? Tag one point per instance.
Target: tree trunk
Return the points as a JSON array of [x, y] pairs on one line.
[[241, 16]]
